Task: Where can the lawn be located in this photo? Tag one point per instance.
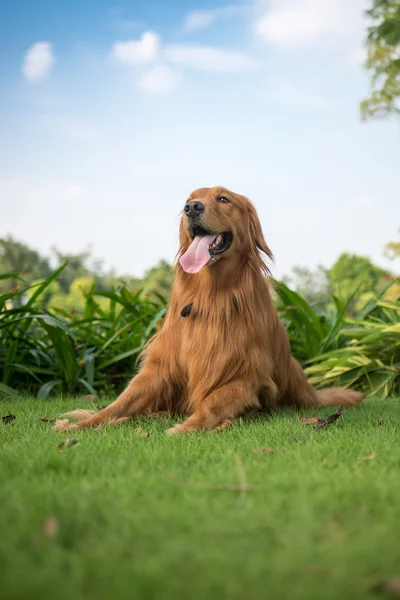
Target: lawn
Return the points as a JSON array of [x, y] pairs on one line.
[[321, 520]]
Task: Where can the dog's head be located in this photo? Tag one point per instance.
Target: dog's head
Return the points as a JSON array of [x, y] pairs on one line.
[[218, 225]]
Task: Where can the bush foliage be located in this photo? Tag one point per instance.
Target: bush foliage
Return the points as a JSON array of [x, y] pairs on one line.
[[44, 351], [361, 351], [48, 351]]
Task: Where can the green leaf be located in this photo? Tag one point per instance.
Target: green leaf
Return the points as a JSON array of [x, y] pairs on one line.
[[8, 392], [87, 385], [11, 276], [153, 323], [120, 357], [47, 387], [44, 285]]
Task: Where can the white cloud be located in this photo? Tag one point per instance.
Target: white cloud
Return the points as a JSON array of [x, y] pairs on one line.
[[201, 19], [38, 61], [160, 79], [287, 93], [135, 52], [308, 22], [208, 59]]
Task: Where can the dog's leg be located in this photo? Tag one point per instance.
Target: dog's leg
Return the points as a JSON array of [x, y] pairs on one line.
[[147, 392], [220, 407], [300, 392]]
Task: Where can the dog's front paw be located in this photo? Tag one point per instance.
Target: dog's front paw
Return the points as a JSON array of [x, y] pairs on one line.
[[179, 428], [64, 425]]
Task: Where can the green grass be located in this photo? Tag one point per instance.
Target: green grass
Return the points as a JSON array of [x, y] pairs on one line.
[[324, 525]]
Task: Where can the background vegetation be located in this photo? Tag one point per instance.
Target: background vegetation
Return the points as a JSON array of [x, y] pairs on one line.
[[78, 329]]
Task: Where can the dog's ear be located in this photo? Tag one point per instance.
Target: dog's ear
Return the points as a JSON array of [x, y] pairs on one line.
[[256, 233]]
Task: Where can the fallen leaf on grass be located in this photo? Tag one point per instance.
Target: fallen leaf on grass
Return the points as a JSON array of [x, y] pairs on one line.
[[140, 431], [48, 420], [7, 419], [319, 422], [380, 422], [264, 450], [50, 528], [68, 443], [389, 586], [370, 456]]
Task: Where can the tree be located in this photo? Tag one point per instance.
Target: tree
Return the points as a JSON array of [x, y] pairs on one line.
[[392, 250], [16, 257], [159, 279], [75, 299], [46, 297], [383, 60], [76, 267], [312, 285], [352, 274]]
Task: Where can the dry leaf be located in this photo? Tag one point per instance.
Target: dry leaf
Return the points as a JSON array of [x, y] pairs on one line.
[[389, 586], [140, 431], [370, 456], [90, 398], [50, 528], [380, 422], [7, 419], [319, 422], [68, 443], [48, 420], [264, 450]]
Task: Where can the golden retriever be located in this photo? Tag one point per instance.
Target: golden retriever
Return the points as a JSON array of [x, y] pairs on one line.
[[222, 350]]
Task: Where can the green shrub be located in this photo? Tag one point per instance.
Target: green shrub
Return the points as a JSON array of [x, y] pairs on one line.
[[370, 358], [54, 350], [44, 351], [362, 351]]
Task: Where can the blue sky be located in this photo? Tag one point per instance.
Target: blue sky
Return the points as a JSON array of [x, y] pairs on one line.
[[111, 113]]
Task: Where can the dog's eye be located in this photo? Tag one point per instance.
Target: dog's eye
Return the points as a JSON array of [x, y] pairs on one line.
[[223, 200]]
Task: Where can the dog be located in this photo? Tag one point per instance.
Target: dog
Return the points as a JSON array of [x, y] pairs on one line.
[[222, 350]]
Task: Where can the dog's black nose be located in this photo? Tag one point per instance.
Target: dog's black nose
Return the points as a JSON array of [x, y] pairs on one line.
[[193, 208]]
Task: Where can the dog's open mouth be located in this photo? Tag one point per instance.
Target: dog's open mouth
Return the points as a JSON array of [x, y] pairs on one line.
[[205, 246], [222, 241]]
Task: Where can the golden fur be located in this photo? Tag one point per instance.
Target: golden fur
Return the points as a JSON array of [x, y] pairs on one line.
[[231, 353]]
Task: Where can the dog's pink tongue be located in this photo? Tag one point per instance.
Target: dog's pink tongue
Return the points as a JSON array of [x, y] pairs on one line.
[[197, 255]]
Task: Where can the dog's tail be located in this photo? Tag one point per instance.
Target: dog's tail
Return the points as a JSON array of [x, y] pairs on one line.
[[338, 396], [302, 394]]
